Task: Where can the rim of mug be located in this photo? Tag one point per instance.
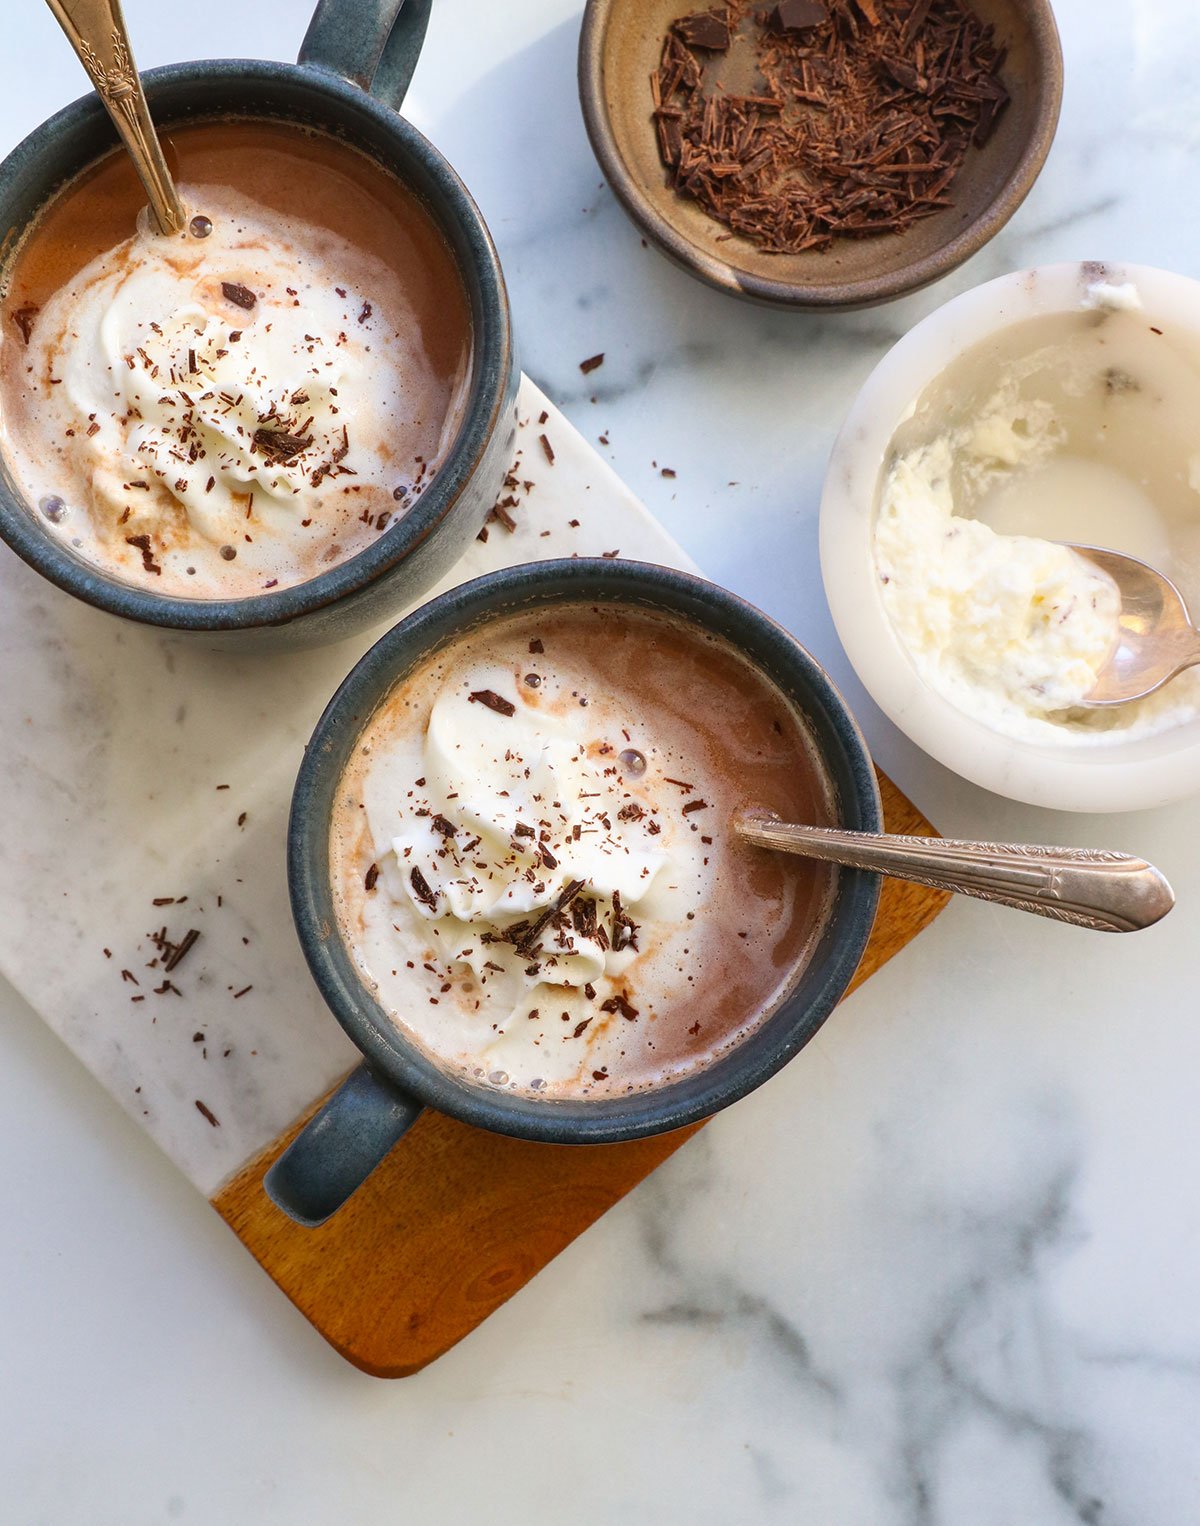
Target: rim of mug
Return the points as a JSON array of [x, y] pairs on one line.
[[748, 1062], [491, 353]]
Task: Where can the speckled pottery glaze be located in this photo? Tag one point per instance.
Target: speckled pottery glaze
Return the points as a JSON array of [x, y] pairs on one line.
[[380, 1101], [355, 65]]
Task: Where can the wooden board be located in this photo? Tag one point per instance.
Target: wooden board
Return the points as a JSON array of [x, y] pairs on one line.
[[456, 1220]]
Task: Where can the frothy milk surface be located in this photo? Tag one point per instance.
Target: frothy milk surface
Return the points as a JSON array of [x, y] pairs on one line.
[[533, 857], [243, 405]]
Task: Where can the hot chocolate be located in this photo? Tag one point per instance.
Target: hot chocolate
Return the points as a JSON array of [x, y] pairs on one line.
[[534, 862], [243, 405]]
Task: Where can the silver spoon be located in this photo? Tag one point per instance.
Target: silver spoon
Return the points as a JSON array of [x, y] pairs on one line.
[[1088, 887], [96, 30], [1156, 638]]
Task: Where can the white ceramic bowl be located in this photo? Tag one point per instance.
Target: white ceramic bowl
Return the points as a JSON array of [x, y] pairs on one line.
[[1117, 776]]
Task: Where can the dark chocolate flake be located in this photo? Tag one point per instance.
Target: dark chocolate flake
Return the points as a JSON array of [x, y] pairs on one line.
[[797, 16], [180, 951], [705, 29], [23, 318], [620, 1003], [492, 701], [239, 295], [279, 447], [142, 542], [421, 888]]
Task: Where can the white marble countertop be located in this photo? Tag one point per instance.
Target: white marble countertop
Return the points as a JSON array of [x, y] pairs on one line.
[[942, 1270]]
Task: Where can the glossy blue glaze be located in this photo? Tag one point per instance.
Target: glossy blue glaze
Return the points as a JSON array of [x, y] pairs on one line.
[[399, 1068], [417, 550]]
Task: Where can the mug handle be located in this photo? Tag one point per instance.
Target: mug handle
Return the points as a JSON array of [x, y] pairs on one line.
[[374, 44], [339, 1147]]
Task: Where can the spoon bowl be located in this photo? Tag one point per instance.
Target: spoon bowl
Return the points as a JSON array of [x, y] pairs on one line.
[[1156, 639]]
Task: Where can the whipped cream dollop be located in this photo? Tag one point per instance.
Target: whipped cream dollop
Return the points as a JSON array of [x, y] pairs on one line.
[[234, 411], [527, 855], [1013, 625], [1013, 628]]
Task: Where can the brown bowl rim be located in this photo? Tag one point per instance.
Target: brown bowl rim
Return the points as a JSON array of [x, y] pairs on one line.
[[817, 296]]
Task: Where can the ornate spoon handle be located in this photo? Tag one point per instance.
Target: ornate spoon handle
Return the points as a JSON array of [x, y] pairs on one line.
[[1089, 887], [96, 30]]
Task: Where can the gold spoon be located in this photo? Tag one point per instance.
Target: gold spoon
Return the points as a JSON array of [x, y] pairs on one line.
[[1155, 635], [1088, 887], [96, 30]]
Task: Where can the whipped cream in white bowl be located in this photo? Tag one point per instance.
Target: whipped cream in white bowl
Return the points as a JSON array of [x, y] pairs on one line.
[[1050, 405]]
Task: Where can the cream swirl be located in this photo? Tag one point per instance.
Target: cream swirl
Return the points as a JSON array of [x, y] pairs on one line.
[[529, 853], [526, 843]]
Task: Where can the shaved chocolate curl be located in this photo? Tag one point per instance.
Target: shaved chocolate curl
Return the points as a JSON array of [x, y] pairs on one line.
[[825, 119], [797, 16], [492, 701], [706, 29]]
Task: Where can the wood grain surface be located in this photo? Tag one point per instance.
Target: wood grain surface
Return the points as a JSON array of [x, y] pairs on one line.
[[456, 1220]]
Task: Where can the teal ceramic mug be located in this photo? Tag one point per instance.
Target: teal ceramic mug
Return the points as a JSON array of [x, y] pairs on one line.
[[354, 68], [378, 1103]]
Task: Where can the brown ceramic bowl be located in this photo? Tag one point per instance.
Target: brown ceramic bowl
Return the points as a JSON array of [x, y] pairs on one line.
[[619, 49]]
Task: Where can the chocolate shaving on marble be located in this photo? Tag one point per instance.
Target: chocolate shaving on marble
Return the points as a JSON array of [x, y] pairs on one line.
[[179, 951], [854, 119], [501, 511]]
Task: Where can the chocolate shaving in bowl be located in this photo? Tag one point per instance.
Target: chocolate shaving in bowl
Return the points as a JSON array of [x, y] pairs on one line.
[[797, 15], [706, 29], [815, 121]]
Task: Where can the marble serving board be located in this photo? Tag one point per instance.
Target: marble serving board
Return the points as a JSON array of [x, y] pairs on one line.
[[147, 789]]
